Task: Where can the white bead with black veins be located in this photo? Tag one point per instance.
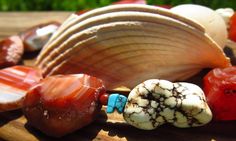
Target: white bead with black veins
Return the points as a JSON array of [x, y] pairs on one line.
[[181, 120], [155, 102], [171, 101]]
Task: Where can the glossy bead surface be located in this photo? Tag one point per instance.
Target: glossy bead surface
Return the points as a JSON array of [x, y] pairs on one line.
[[112, 103], [220, 90], [120, 103], [104, 99], [116, 101], [14, 83], [36, 37], [232, 28], [64, 103], [11, 51]]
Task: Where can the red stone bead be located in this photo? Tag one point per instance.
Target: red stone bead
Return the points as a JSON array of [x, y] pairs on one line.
[[232, 28], [14, 83], [220, 90], [64, 103], [103, 99], [11, 51], [36, 37]]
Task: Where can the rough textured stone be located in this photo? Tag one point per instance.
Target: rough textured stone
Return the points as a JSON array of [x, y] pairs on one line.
[[155, 102]]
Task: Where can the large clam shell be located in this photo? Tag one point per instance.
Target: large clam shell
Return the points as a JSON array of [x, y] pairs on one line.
[[74, 21], [127, 44]]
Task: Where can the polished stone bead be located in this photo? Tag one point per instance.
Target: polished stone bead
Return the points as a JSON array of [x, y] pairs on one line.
[[116, 101], [112, 103], [11, 51], [36, 37], [61, 104], [104, 99], [14, 83], [120, 103]]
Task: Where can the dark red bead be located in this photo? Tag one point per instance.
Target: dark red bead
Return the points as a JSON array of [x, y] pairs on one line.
[[103, 99]]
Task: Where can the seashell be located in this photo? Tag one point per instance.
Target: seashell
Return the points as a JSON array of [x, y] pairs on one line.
[[74, 19], [127, 44], [63, 33], [212, 22], [225, 14], [156, 102]]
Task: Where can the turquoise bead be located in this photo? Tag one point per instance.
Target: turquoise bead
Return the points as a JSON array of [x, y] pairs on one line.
[[116, 101], [120, 103], [112, 103]]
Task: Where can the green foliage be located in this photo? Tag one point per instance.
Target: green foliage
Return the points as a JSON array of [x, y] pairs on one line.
[[75, 5]]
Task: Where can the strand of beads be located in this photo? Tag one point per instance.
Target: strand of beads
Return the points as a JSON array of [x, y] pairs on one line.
[[156, 102], [33, 39], [73, 101]]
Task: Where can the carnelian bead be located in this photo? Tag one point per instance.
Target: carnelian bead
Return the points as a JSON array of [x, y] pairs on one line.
[[220, 91], [103, 99], [61, 104], [11, 51], [37, 36], [15, 83], [232, 28]]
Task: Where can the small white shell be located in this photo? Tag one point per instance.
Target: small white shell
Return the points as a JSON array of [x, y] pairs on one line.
[[212, 22], [225, 13]]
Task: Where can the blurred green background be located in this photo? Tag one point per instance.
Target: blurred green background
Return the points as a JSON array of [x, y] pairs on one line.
[[75, 5]]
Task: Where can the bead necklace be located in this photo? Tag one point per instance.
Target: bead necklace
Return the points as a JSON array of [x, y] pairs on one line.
[[60, 104]]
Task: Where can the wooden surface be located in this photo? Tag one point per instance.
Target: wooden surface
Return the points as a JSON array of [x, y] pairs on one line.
[[14, 127], [111, 127], [14, 22]]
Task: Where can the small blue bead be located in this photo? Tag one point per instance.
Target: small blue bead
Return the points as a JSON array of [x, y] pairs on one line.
[[120, 103], [116, 101], [112, 103]]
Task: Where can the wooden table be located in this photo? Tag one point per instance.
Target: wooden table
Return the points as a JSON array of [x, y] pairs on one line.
[[14, 127], [12, 23]]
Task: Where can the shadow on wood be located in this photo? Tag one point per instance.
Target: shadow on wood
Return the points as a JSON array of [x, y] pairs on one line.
[[6, 117]]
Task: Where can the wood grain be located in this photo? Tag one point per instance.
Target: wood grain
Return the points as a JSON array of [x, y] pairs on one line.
[[12, 23], [13, 127], [107, 127]]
